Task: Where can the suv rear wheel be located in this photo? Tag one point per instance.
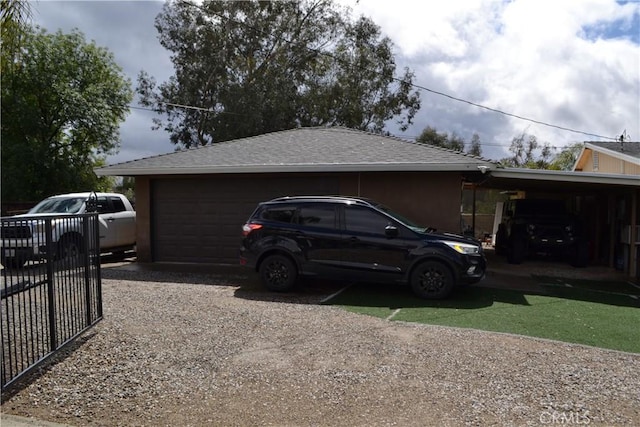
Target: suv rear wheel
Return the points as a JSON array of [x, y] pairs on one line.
[[278, 273], [432, 280]]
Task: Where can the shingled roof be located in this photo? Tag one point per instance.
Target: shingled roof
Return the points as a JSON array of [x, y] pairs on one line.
[[630, 150], [317, 149]]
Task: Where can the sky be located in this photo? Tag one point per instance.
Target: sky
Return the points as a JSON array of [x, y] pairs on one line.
[[482, 66]]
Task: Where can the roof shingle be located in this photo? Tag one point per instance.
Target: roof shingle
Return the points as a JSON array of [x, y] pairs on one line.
[[627, 148], [304, 149]]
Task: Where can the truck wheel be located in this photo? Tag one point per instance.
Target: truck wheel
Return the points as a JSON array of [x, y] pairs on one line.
[[69, 248], [517, 250], [278, 273], [13, 263], [432, 280], [579, 255]]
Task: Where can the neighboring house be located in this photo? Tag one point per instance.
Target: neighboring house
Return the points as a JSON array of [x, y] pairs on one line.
[[609, 157], [192, 204]]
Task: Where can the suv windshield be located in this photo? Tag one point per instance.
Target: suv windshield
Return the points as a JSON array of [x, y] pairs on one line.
[[536, 207], [412, 225], [60, 205]]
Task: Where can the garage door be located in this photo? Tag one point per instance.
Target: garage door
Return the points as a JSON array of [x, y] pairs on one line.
[[199, 220]]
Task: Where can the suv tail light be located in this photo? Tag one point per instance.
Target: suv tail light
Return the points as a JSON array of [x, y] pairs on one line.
[[248, 228]]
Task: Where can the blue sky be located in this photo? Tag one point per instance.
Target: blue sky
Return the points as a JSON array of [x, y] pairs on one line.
[[571, 63]]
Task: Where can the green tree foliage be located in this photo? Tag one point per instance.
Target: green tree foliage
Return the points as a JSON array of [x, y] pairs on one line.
[[62, 103], [127, 187], [14, 22], [475, 148], [255, 67], [431, 136], [567, 157], [527, 152], [486, 200]]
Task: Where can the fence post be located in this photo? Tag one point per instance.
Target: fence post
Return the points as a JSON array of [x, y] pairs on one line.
[[86, 219], [53, 338]]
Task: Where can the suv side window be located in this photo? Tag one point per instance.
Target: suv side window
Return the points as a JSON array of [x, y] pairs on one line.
[[279, 214], [362, 220], [317, 215]]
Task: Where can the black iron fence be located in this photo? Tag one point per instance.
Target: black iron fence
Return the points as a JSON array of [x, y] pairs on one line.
[[51, 288]]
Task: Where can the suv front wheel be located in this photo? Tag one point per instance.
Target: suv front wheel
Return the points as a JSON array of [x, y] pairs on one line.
[[278, 273], [432, 280]]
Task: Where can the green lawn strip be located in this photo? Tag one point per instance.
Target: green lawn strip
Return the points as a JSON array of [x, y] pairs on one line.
[[576, 317], [596, 285]]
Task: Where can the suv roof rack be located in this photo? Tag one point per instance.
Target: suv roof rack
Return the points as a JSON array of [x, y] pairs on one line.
[[338, 198]]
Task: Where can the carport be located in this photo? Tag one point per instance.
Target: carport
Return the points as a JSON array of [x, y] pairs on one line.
[[609, 206]]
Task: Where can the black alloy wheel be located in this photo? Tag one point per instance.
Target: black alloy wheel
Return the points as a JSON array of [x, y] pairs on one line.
[[278, 273], [432, 280]]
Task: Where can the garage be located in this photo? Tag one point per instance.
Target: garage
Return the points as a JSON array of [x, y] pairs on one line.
[[191, 204]]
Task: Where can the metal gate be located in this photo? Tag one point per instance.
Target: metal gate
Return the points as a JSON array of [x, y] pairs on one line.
[[51, 289]]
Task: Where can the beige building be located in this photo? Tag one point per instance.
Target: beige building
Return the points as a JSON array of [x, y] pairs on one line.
[[609, 157]]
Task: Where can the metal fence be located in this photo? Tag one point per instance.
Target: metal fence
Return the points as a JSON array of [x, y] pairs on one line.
[[51, 287]]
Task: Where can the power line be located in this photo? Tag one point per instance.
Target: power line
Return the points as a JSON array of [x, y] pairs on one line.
[[510, 114]]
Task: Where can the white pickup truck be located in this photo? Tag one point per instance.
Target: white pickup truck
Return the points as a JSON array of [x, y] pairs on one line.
[[23, 236]]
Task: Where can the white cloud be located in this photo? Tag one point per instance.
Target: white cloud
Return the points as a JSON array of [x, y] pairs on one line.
[[536, 59]]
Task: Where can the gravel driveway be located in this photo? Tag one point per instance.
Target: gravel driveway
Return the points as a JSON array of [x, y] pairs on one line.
[[199, 350]]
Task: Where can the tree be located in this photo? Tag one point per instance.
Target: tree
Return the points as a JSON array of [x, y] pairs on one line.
[[567, 157], [255, 67], [475, 148], [62, 104], [525, 150], [14, 22], [431, 136]]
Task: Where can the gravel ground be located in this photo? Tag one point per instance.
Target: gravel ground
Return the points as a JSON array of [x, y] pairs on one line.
[[198, 350]]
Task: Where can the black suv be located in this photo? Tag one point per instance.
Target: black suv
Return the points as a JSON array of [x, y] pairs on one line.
[[531, 226], [349, 238]]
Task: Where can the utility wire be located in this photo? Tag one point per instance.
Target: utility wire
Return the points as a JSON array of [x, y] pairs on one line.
[[510, 114]]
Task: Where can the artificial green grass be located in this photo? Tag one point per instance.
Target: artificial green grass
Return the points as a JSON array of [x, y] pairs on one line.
[[568, 314], [608, 286]]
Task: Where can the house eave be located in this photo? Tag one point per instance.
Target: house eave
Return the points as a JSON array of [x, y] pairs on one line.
[[567, 176], [295, 168]]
